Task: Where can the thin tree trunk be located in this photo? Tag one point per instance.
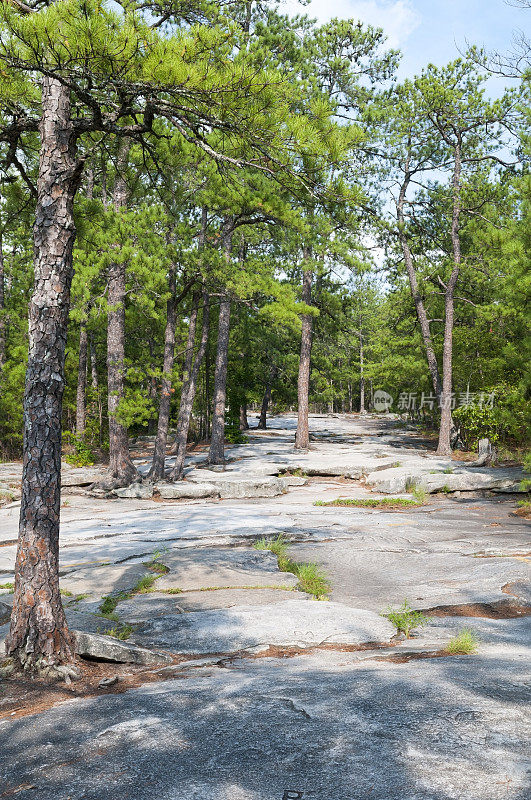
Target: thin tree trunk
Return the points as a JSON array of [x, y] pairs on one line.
[[39, 637], [444, 447], [2, 310], [159, 453], [262, 422], [244, 422], [153, 391], [216, 453], [81, 396], [413, 283], [121, 468], [95, 384], [362, 376], [188, 396], [302, 436]]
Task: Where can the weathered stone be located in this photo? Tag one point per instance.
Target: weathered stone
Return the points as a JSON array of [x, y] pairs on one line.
[[145, 607], [80, 476], [297, 622], [234, 486], [106, 648], [211, 567], [104, 579], [186, 489], [140, 491]]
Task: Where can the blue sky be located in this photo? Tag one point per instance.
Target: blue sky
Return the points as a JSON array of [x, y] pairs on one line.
[[429, 30]]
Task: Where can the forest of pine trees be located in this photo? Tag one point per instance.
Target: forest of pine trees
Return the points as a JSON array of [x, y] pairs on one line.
[[210, 212]]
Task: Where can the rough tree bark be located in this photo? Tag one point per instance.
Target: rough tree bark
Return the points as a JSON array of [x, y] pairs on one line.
[[121, 468], [302, 436], [188, 396], [413, 283], [444, 447], [81, 402], [39, 638], [216, 453]]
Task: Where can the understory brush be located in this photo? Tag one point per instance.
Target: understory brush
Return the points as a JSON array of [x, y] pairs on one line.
[[405, 618]]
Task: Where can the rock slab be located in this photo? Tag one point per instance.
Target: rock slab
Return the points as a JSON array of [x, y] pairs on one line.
[[293, 623], [107, 648]]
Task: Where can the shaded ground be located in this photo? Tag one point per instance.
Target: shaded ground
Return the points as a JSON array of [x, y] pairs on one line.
[[271, 690]]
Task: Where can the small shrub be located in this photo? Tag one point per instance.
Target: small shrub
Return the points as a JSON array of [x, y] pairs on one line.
[[419, 493], [81, 455], [465, 643], [122, 632], [405, 619], [7, 585]]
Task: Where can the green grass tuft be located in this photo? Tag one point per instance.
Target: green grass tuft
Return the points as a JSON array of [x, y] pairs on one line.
[[311, 578], [405, 619], [144, 585], [419, 494], [371, 502], [122, 632], [7, 585], [465, 643]]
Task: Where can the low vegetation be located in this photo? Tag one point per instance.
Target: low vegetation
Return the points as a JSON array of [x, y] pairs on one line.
[[405, 618], [311, 578], [371, 502], [121, 632], [465, 643]]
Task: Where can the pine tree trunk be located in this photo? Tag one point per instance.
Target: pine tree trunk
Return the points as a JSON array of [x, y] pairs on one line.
[[2, 310], [262, 422], [188, 396], [244, 422], [362, 377], [121, 469], [415, 293], [156, 472], [153, 392], [444, 447], [216, 453], [39, 634], [95, 384], [302, 436], [81, 407]]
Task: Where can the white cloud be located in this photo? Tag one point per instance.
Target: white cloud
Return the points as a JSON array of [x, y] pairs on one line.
[[398, 18]]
